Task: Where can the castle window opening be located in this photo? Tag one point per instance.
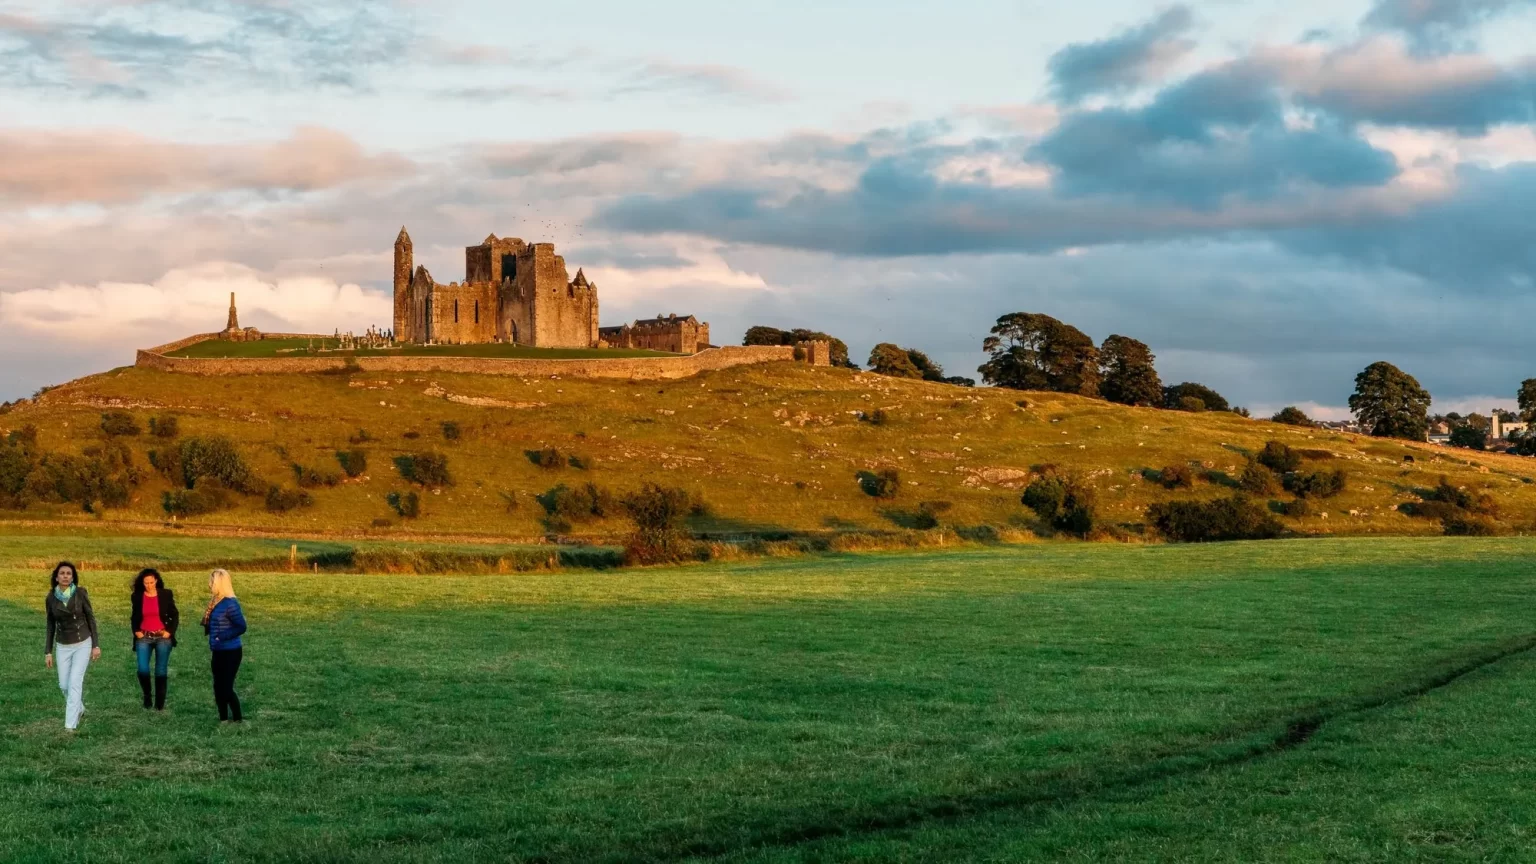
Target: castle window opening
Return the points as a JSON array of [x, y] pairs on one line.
[[477, 311], [455, 311]]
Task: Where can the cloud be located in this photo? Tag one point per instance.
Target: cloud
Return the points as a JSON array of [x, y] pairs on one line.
[[49, 167], [506, 93], [190, 300], [711, 81], [121, 49], [1133, 57], [1436, 25]]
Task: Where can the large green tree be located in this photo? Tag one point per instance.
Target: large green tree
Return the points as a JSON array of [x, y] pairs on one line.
[[1128, 374], [1030, 351], [1290, 415], [893, 360], [1175, 395], [1390, 403], [1527, 400]]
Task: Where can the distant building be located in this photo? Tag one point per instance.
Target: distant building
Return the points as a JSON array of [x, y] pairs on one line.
[[232, 331], [678, 335]]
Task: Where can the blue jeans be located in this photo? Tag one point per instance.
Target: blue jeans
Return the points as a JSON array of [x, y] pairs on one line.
[[162, 651]]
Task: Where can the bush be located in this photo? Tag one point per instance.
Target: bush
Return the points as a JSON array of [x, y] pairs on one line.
[[928, 513], [424, 469], [213, 458], [408, 506], [582, 504], [354, 462], [362, 437], [1298, 509], [1190, 403], [1279, 457], [1257, 480], [115, 424], [1471, 525], [550, 459], [1178, 476], [198, 501], [885, 483], [877, 417], [1317, 484], [280, 500], [451, 431], [164, 426], [1067, 505], [1236, 518], [658, 514], [1430, 509], [314, 478], [1292, 416]]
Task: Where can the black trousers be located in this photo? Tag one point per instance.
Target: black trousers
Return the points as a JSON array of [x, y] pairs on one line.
[[226, 664]]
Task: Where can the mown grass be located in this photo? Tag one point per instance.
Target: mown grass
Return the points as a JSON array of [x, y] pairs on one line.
[[791, 709], [218, 348], [769, 449]]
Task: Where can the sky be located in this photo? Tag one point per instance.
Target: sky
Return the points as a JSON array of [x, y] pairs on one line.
[[1272, 195]]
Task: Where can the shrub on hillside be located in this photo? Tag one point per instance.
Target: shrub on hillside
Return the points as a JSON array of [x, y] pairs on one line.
[[550, 459], [928, 513], [101, 477], [1177, 476], [25, 436], [658, 514], [1236, 518], [1316, 484], [581, 504], [424, 469], [408, 505], [1279, 457], [1469, 437], [1209, 399], [164, 426], [314, 478], [451, 430], [198, 501], [214, 458], [1190, 404], [1298, 509], [1066, 504], [353, 462], [1257, 480], [1463, 524], [362, 437], [877, 417], [280, 500], [117, 424], [885, 483]]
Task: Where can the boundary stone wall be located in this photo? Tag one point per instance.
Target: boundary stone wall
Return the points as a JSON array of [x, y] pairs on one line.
[[639, 368]]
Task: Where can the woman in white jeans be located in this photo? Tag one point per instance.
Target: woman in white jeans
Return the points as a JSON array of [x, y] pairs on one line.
[[71, 635]]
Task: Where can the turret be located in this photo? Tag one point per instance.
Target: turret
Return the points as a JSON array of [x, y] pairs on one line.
[[404, 258], [234, 318]]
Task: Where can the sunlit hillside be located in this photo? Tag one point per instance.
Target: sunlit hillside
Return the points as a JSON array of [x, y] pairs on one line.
[[767, 449]]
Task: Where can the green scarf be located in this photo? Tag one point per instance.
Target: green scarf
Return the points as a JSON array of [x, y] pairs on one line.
[[64, 594]]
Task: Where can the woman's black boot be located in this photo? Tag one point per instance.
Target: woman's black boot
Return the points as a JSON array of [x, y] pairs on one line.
[[160, 684], [144, 685]]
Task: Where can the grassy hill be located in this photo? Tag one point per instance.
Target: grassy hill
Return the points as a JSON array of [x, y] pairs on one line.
[[773, 448]]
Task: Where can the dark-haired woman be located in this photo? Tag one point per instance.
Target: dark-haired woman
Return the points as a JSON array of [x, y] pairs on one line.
[[153, 623], [72, 636]]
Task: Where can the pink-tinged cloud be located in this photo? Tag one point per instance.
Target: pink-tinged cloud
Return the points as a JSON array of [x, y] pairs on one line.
[[40, 167]]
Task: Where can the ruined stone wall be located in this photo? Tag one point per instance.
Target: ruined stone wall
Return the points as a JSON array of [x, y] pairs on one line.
[[464, 314], [637, 368], [404, 261], [560, 315], [492, 260]]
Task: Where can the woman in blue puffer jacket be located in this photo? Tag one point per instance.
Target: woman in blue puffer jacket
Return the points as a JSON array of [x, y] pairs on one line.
[[224, 622]]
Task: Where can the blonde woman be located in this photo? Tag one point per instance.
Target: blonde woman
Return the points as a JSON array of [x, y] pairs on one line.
[[224, 623]]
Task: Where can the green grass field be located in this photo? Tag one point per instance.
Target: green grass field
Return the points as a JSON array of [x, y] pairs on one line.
[[300, 347], [1346, 699]]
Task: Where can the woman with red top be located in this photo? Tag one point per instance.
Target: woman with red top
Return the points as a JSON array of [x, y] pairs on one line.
[[153, 623]]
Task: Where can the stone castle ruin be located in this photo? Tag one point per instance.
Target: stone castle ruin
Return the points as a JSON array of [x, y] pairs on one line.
[[512, 292]]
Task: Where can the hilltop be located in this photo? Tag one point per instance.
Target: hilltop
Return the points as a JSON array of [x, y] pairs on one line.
[[768, 448]]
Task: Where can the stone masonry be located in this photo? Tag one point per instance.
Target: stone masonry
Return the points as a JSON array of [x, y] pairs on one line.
[[678, 335], [512, 292]]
